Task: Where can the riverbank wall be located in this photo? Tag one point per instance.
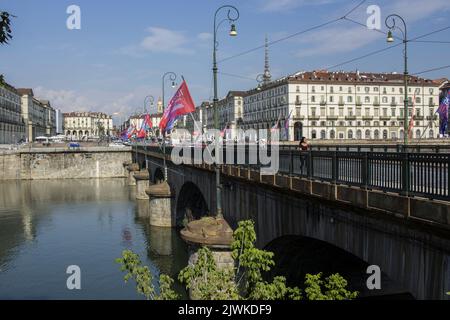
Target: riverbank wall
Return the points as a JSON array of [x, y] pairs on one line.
[[61, 163]]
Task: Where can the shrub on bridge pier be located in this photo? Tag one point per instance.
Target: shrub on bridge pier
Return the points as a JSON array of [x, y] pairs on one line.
[[245, 281]]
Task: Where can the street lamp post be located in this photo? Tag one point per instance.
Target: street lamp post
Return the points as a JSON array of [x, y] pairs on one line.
[[172, 77], [391, 24], [151, 99], [232, 16]]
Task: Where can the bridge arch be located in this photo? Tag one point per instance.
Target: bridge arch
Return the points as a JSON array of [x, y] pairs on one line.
[[296, 255], [158, 176], [191, 204]]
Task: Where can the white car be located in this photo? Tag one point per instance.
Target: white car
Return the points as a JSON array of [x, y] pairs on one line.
[[116, 145]]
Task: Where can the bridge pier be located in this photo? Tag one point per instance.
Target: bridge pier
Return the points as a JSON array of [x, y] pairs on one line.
[[142, 183], [160, 205], [214, 233], [132, 169]]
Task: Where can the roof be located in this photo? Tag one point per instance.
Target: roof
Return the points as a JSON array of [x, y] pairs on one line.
[[9, 87], [349, 77], [76, 114], [25, 91], [236, 93]]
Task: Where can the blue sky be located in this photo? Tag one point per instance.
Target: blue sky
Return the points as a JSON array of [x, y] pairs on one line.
[[123, 47]]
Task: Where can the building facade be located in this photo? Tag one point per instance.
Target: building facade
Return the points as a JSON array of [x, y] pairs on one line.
[[59, 122], [231, 113], [12, 126], [343, 105], [39, 117], [85, 125]]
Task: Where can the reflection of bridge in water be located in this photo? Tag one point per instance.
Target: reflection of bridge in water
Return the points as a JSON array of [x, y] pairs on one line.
[[334, 214], [48, 225]]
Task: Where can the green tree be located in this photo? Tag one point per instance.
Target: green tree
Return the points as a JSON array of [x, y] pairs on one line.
[[5, 27], [244, 281], [332, 288], [206, 281], [5, 33], [131, 263]]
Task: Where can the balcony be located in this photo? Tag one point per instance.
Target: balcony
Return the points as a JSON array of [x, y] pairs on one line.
[[376, 104], [385, 118], [350, 118], [299, 117], [435, 117], [332, 117], [314, 117], [393, 104], [323, 103], [298, 103], [341, 103], [367, 117], [418, 117], [431, 104], [358, 103]]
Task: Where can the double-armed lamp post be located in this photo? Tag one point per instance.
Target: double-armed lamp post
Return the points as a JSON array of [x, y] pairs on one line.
[[391, 24], [232, 16], [172, 76]]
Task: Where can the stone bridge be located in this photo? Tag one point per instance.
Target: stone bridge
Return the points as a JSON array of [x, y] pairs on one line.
[[317, 226]]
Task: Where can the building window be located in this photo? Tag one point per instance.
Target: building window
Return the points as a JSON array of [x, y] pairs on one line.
[[377, 134], [358, 135], [350, 134]]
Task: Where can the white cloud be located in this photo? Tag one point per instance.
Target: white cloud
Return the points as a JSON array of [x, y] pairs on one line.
[[347, 37], [66, 100], [284, 5], [336, 40], [204, 36], [414, 10], [165, 40], [121, 103]]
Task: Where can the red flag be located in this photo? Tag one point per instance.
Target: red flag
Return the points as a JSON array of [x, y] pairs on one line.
[[180, 104]]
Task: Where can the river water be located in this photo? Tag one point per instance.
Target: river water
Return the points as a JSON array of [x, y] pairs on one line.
[[46, 226]]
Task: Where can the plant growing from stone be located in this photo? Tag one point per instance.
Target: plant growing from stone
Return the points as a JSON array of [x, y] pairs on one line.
[[243, 282], [206, 281]]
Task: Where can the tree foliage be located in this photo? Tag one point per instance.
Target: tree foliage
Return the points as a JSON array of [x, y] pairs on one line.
[[208, 282], [5, 34], [5, 27], [131, 263], [243, 281], [332, 288]]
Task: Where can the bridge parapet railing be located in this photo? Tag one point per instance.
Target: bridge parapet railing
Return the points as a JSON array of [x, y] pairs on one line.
[[413, 174]]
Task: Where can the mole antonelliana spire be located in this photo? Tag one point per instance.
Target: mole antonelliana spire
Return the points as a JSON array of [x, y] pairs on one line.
[[267, 77]]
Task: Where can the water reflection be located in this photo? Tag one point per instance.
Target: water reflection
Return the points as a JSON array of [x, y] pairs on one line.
[[46, 226]]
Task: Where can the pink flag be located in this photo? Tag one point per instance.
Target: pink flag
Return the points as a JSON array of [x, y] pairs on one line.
[[180, 104]]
